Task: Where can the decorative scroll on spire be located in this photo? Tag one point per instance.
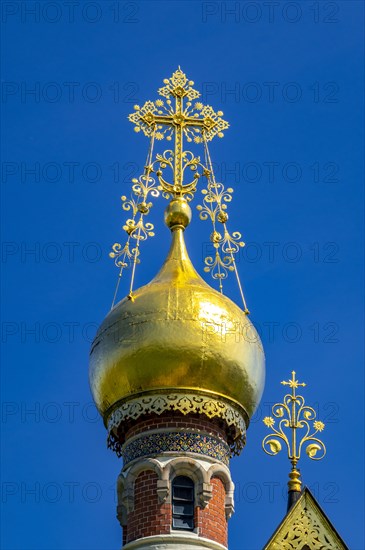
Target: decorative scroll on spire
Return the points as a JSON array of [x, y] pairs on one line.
[[226, 245], [137, 229], [178, 116], [294, 415]]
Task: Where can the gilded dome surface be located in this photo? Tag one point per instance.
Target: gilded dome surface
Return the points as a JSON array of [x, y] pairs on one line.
[[177, 333]]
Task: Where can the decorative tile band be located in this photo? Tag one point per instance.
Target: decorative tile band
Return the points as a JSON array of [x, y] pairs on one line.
[[184, 403], [192, 442]]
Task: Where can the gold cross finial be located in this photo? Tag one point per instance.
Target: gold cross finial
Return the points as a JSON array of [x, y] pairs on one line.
[[294, 415], [177, 116], [293, 383]]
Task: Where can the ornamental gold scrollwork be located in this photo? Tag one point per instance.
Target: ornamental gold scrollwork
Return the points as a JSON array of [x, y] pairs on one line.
[[176, 116], [135, 227], [227, 245], [193, 118], [293, 415], [190, 162], [306, 530]]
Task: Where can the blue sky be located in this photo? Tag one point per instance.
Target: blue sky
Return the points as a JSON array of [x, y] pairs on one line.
[[288, 77]]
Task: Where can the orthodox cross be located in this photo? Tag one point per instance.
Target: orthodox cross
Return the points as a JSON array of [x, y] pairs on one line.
[[294, 384], [174, 117], [197, 122]]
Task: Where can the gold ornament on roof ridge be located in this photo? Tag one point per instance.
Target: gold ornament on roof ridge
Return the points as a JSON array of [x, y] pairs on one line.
[[294, 415]]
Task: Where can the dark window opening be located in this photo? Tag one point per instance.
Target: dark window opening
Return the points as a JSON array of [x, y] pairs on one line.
[[183, 503]]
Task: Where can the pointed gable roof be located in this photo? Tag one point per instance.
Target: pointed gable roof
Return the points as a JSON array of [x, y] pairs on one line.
[[306, 527]]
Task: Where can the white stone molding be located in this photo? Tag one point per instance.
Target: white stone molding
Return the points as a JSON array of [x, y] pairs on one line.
[[174, 541], [186, 466]]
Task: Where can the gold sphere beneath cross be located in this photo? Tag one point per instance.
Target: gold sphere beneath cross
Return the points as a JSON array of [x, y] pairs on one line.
[[178, 213]]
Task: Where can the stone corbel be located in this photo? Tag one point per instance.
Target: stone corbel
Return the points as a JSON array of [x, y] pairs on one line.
[[229, 505], [128, 498], [122, 515], [205, 493], [163, 489]]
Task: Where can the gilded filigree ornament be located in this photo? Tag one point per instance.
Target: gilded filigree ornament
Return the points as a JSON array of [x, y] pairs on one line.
[[189, 162], [306, 531], [227, 245], [164, 116], [122, 256], [218, 267], [178, 86], [290, 416], [178, 116], [305, 526], [135, 227]]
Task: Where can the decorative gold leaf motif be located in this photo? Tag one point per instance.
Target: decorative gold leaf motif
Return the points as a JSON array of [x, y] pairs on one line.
[[274, 445], [312, 450]]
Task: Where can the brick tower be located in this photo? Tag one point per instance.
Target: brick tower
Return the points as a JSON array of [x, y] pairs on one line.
[[176, 368]]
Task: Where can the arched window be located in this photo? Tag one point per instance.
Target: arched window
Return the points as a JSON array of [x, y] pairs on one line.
[[183, 503]]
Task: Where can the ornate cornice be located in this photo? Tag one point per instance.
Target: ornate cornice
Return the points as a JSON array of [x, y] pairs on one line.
[[185, 403]]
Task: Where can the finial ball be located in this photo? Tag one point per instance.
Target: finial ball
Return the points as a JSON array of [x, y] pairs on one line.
[[178, 213]]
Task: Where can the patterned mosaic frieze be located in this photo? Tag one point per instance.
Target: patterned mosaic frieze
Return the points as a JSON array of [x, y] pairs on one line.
[[192, 442], [184, 403]]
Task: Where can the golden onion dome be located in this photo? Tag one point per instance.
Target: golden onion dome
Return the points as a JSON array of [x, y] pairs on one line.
[[177, 334]]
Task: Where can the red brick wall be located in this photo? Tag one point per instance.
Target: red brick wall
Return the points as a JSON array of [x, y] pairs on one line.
[[152, 518], [149, 516], [211, 520], [177, 420]]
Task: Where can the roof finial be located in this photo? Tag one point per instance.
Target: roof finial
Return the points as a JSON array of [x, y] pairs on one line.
[[294, 415], [175, 172]]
